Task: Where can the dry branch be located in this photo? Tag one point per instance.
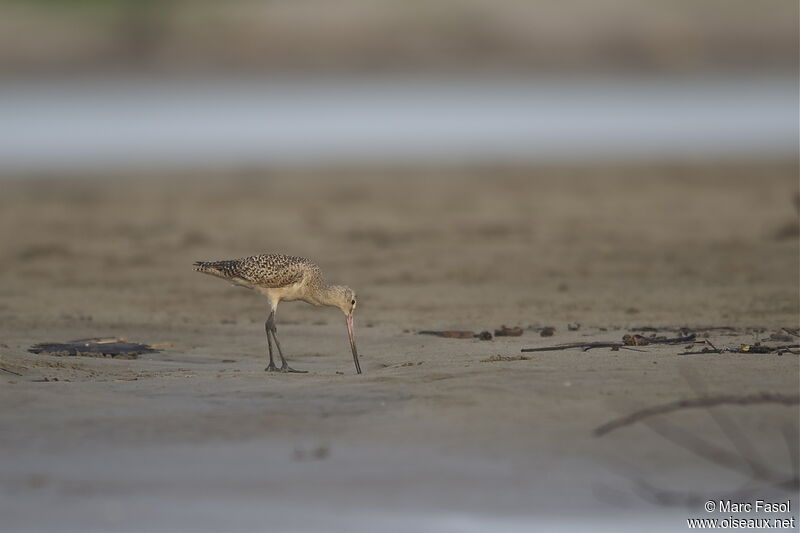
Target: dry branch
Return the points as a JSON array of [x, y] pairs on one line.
[[583, 345], [708, 401]]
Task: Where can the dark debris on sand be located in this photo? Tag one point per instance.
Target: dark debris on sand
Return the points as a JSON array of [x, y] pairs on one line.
[[115, 348], [687, 335]]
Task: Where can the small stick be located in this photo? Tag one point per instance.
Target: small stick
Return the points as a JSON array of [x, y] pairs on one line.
[[787, 347], [10, 371], [712, 346], [674, 340], [583, 345], [707, 342]]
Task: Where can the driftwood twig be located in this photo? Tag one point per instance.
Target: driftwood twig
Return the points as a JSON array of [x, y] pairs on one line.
[[756, 348], [583, 345], [627, 342]]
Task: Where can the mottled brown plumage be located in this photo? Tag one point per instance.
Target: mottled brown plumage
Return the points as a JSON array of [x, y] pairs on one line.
[[267, 270], [285, 277]]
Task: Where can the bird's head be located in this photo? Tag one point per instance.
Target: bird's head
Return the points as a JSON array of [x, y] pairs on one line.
[[345, 299]]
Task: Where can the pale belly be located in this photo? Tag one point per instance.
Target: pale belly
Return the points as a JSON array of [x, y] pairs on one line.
[[288, 293]]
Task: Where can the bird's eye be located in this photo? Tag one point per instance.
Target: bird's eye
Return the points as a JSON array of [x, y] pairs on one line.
[[353, 302]]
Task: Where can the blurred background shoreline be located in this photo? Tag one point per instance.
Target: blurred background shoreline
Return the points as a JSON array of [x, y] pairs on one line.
[[96, 125], [364, 37], [149, 86]]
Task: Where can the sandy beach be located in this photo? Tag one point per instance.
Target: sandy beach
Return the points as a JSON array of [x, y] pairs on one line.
[[437, 434]]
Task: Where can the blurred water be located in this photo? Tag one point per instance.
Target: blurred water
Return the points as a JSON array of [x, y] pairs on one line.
[[67, 125], [250, 486]]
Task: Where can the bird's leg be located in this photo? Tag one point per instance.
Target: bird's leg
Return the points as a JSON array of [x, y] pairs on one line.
[[271, 367], [284, 365]]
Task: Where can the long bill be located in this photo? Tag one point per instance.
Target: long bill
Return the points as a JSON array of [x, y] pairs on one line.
[[353, 341]]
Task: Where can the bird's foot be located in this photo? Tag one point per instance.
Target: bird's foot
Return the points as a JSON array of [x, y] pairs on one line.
[[271, 367], [287, 368]]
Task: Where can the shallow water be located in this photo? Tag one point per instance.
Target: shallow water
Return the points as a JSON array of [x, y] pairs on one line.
[[80, 124], [257, 486]]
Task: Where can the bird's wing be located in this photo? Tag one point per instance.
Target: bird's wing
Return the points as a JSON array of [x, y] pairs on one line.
[[269, 270], [275, 270]]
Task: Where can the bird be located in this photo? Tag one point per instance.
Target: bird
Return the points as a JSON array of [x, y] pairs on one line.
[[285, 277]]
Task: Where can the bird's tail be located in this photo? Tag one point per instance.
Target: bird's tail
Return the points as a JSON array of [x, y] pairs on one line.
[[209, 267], [230, 270]]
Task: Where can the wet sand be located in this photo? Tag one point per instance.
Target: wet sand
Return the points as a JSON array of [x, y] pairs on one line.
[[434, 435]]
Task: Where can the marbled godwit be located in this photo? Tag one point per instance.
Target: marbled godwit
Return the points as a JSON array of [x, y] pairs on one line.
[[285, 277]]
